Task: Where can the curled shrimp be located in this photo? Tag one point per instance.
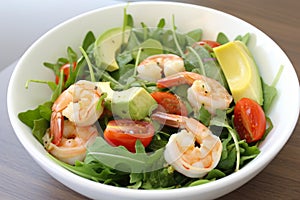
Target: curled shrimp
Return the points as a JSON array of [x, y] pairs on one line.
[[195, 150], [155, 67], [79, 103], [73, 143], [204, 91]]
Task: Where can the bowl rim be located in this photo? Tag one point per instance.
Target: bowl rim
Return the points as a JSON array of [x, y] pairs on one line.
[[126, 192]]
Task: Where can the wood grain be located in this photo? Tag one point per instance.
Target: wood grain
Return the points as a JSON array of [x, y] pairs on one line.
[[22, 178]]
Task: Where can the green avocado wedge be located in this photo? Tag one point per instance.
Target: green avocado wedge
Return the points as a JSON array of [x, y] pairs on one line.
[[106, 46], [134, 103]]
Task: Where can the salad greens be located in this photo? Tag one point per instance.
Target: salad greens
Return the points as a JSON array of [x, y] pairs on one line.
[[147, 169]]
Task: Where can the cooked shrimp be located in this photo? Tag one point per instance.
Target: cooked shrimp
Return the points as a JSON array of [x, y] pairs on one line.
[[204, 91], [78, 103], [182, 150], [155, 67], [73, 143]]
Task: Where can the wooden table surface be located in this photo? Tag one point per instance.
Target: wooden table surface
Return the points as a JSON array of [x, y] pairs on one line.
[[22, 178]]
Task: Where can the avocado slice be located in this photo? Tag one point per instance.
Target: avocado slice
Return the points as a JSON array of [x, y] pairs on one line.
[[106, 46], [105, 88], [149, 47], [240, 70], [134, 103]]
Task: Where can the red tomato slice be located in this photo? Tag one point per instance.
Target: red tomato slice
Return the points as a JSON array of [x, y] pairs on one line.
[[169, 103], [126, 132], [249, 120], [66, 71]]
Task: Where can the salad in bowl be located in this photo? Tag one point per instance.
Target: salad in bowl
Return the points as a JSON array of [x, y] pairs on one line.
[[152, 106]]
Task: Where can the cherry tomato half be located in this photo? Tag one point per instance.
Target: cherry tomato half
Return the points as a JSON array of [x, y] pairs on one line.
[[249, 120], [126, 132], [66, 71], [169, 103], [211, 43]]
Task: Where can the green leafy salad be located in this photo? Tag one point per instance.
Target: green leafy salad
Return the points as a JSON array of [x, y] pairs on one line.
[[129, 147]]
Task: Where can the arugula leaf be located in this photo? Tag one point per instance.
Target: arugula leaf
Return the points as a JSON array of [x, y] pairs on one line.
[[225, 143], [199, 182], [221, 120], [29, 116], [37, 119], [50, 84], [89, 63], [234, 151], [124, 73], [222, 38], [269, 94], [245, 39], [199, 59], [127, 22], [41, 111], [268, 130], [158, 179], [249, 153], [73, 72], [45, 110], [161, 24], [136, 178], [159, 140], [131, 44], [59, 88], [194, 36], [145, 171], [177, 38], [40, 127], [88, 40], [95, 171], [149, 47], [270, 91], [121, 159], [123, 59], [204, 116], [72, 56], [215, 174], [228, 163], [56, 66], [195, 59]]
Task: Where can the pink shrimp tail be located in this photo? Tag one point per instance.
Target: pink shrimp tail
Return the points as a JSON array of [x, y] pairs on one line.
[[172, 120], [56, 127], [178, 79]]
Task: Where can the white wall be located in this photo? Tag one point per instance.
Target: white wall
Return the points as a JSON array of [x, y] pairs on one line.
[[24, 21]]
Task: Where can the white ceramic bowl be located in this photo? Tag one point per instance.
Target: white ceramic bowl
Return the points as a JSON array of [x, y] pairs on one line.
[[53, 44]]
